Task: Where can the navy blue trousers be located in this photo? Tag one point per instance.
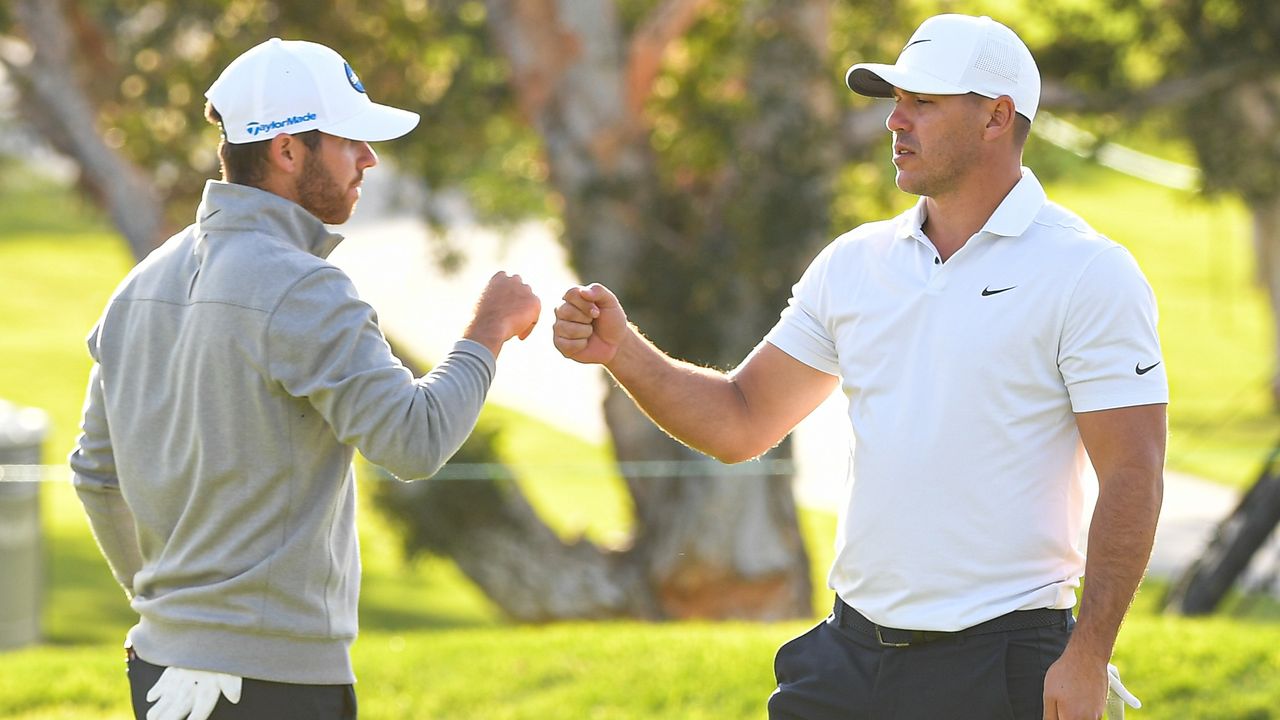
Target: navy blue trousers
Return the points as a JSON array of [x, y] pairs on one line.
[[836, 672], [259, 699]]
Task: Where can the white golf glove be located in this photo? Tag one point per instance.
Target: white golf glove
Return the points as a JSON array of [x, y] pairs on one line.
[[182, 694], [1115, 710]]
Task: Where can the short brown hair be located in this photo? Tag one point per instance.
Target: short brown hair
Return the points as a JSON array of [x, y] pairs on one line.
[[246, 163], [1021, 129], [1021, 123]]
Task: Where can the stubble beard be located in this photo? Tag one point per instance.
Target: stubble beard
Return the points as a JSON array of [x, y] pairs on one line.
[[321, 194], [933, 182], [945, 172]]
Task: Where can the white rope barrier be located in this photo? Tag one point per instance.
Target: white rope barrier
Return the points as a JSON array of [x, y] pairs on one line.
[[496, 471], [1120, 158], [34, 473]]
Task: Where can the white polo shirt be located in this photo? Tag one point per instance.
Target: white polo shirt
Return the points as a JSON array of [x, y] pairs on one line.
[[965, 501]]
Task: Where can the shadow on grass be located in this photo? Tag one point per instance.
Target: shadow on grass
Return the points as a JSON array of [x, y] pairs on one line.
[[83, 605], [1249, 608], [423, 593], [386, 617]]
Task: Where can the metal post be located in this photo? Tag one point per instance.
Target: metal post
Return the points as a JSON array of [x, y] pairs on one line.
[[22, 431]]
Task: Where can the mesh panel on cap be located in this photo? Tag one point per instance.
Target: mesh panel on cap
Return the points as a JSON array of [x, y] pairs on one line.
[[998, 58]]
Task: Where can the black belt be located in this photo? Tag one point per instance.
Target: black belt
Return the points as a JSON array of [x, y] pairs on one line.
[[846, 616]]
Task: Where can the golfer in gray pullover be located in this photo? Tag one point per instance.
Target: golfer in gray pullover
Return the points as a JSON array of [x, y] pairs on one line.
[[236, 372]]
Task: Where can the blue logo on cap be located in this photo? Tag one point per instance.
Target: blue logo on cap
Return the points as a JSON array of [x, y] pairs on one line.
[[351, 78]]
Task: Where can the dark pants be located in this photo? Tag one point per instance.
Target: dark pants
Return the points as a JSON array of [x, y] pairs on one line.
[[837, 671], [259, 699]]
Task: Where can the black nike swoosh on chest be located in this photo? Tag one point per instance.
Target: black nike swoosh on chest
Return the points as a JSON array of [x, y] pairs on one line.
[[987, 291], [1143, 370]]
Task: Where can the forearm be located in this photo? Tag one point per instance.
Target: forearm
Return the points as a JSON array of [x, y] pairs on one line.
[[97, 484], [457, 387], [113, 527], [414, 439], [700, 407], [1126, 446], [1120, 539]]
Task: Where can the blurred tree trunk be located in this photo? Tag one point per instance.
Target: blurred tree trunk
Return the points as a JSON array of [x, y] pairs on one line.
[[48, 67], [1266, 242], [1235, 136], [1256, 105], [707, 543], [728, 544]]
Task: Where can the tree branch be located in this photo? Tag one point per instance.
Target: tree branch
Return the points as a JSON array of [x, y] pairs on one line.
[[864, 125], [537, 47], [667, 22], [1056, 95], [49, 81]]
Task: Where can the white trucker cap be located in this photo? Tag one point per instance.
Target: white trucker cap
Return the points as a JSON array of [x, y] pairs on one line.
[[292, 86], [957, 55]]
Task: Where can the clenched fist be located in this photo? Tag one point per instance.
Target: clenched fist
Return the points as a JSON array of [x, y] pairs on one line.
[[590, 324], [507, 308]]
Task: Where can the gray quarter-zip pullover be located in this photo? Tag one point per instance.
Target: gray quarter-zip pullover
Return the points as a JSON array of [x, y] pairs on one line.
[[236, 373]]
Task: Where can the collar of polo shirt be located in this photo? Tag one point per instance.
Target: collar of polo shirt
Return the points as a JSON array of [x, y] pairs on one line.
[[1012, 218]]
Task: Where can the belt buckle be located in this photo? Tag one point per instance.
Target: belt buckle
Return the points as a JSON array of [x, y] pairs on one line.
[[885, 643]]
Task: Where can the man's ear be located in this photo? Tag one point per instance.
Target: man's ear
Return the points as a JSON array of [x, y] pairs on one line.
[[286, 153], [1001, 118]]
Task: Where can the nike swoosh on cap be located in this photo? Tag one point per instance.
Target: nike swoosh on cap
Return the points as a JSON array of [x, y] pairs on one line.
[[1143, 370], [915, 42]]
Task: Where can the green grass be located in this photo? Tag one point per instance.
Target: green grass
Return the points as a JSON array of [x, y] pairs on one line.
[[567, 479], [433, 647], [1216, 667], [604, 670], [52, 288]]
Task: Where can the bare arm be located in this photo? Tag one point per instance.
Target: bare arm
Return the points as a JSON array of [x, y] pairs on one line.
[[1126, 446], [731, 416]]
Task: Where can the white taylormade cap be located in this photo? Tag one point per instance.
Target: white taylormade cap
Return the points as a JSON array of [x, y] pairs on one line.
[[957, 55], [292, 86]]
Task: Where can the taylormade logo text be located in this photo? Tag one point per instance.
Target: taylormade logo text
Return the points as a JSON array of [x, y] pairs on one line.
[[256, 128]]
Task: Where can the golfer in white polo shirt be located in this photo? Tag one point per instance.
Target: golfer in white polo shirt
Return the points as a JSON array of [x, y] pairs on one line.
[[985, 339]]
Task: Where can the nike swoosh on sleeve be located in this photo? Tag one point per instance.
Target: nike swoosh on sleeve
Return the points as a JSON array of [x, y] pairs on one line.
[[1143, 370]]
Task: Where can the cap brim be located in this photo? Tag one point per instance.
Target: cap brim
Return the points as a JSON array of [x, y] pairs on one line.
[[879, 80], [374, 124]]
